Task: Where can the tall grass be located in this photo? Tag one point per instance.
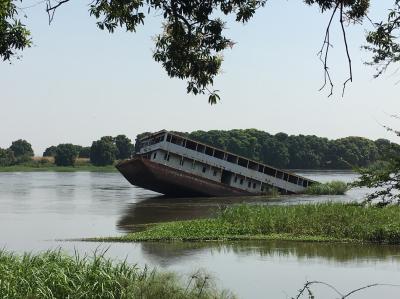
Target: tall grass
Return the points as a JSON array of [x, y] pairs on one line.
[[317, 222], [55, 275], [330, 188]]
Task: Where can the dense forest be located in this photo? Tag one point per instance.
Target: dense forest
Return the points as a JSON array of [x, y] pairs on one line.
[[299, 151]]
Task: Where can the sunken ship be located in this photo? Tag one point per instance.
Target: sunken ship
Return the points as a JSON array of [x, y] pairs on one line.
[[171, 164]]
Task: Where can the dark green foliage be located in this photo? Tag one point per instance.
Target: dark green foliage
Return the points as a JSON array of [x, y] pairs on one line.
[[22, 150], [84, 152], [55, 275], [124, 146], [103, 152], [13, 34], [384, 40], [314, 222], [50, 151], [7, 157], [65, 154], [193, 39], [299, 152], [384, 176]]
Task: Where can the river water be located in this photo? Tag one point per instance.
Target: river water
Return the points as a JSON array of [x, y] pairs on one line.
[[40, 211]]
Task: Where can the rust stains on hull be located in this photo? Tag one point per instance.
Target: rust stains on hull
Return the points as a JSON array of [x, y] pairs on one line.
[[169, 181]]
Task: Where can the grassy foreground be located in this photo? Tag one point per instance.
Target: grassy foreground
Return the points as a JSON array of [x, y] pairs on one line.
[[55, 275], [311, 222]]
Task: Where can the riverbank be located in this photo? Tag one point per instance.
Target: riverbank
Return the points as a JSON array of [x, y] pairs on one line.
[[55, 275], [54, 168], [334, 222], [43, 164]]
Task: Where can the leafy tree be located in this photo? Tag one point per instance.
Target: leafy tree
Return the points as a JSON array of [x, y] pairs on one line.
[[124, 146], [103, 151], [193, 38], [7, 157], [22, 150], [65, 154], [84, 152], [383, 176], [50, 151], [13, 34], [275, 153]]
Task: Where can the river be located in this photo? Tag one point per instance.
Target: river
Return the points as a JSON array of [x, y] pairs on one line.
[[45, 210]]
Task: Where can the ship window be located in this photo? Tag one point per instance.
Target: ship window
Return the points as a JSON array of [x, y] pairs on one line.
[[235, 178], [253, 165], [242, 162], [190, 145], [279, 174], [285, 176], [232, 158], [154, 155], [219, 154], [293, 179], [168, 138], [204, 169], [241, 181], [200, 148], [269, 171], [181, 162], [166, 156], [215, 172], [209, 151], [249, 184], [260, 168], [254, 185], [305, 183]]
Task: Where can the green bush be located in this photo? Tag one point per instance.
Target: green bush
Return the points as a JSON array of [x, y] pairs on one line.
[[7, 157], [22, 150], [65, 154], [330, 188], [103, 152]]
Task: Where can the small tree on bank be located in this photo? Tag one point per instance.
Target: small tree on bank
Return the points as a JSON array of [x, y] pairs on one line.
[[7, 157], [65, 155], [124, 146], [22, 150], [50, 151], [103, 152]]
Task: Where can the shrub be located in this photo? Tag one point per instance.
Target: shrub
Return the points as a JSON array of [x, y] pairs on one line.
[[65, 155], [330, 188], [22, 150], [103, 152], [7, 157]]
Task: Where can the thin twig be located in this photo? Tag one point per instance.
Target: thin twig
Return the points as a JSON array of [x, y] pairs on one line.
[[347, 50]]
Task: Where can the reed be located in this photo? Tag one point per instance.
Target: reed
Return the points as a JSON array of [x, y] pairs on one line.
[[311, 222], [55, 275], [329, 188]]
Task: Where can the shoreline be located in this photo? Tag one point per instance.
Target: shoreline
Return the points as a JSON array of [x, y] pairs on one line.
[[53, 168]]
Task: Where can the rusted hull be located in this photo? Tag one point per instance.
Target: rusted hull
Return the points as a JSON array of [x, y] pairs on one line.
[[169, 181]]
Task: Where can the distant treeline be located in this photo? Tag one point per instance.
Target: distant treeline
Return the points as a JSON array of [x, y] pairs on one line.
[[299, 151], [102, 152], [279, 150]]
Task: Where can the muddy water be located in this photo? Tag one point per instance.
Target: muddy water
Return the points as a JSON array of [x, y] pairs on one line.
[[37, 209]]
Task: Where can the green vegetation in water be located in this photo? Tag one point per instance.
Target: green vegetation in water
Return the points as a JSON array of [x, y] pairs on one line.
[[311, 222], [55, 275], [329, 188]]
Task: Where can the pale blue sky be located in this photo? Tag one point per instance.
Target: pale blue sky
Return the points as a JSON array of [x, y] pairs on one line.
[[78, 83]]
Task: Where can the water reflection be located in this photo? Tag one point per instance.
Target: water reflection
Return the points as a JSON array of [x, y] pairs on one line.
[[169, 253]]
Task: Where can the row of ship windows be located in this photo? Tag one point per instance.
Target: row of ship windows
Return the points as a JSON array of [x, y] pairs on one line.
[[230, 158], [235, 159], [204, 170]]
